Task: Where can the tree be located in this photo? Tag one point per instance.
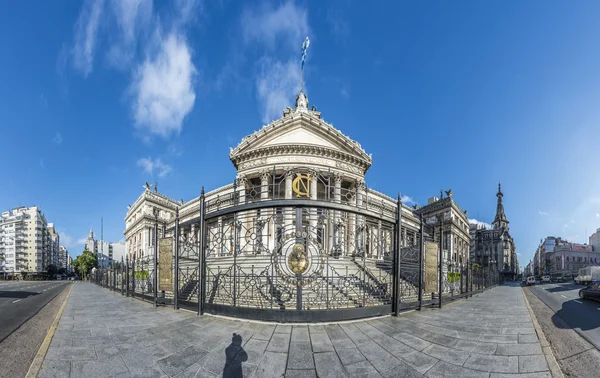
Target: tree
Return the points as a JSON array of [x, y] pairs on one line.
[[117, 265], [85, 262], [52, 270]]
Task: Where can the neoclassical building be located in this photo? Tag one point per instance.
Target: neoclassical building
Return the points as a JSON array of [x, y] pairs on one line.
[[298, 229], [495, 249]]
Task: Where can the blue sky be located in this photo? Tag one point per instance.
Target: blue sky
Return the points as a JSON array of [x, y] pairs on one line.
[[99, 97]]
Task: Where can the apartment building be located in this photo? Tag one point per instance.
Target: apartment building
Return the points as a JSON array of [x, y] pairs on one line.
[[24, 240]]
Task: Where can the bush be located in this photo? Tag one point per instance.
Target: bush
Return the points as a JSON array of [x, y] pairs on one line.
[[453, 276], [141, 274]]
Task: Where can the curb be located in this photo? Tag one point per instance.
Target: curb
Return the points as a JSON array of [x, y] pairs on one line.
[[550, 359], [36, 365]]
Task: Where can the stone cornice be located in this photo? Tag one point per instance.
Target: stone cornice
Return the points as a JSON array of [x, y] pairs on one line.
[[152, 197], [302, 150], [293, 118]]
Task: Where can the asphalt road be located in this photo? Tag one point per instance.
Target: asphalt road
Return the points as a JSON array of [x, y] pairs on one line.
[[582, 316], [20, 300]]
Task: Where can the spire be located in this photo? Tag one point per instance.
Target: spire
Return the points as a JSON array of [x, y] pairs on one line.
[[500, 221], [91, 236]]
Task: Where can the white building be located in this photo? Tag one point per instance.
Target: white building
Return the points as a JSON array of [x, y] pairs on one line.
[[595, 240], [107, 252], [26, 241]]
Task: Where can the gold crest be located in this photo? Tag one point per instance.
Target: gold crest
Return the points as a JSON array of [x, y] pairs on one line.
[[301, 185]]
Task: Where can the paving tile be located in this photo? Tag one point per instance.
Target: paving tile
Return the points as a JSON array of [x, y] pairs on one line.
[[338, 337], [264, 332], [55, 369], [283, 328], [328, 365], [493, 364], [71, 353], [453, 356], [255, 350], [300, 356], [144, 371], [419, 361], [355, 334], [280, 342], [519, 349], [398, 369], [445, 369], [528, 339], [300, 334], [98, 368], [350, 355], [362, 369], [181, 360], [524, 375], [321, 343], [532, 364], [412, 341], [290, 373], [272, 365]]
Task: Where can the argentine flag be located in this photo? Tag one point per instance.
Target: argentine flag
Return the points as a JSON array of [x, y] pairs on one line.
[[304, 48]]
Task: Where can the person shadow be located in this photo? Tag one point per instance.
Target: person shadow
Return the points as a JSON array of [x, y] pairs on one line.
[[234, 356]]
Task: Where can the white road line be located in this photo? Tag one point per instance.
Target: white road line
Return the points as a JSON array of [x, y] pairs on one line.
[[598, 309], [577, 301], [44, 289], [16, 301], [563, 296]]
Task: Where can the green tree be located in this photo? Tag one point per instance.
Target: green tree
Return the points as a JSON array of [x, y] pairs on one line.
[[117, 265], [85, 262], [52, 270]]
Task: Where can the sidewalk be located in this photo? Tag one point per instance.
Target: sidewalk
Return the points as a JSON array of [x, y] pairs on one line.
[[102, 334]]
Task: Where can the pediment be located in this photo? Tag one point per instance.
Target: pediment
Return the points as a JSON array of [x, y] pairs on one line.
[[298, 131]]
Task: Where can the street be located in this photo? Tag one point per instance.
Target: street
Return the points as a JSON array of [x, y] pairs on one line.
[[581, 316], [20, 300]]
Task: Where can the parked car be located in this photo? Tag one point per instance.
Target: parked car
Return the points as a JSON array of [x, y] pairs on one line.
[[530, 280], [592, 291]]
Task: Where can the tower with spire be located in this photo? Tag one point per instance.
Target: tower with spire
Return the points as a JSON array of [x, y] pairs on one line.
[[500, 221]]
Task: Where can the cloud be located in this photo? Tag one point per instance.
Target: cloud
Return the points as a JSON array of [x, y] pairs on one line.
[[86, 30], [597, 215], [337, 23], [131, 17], [407, 200], [276, 85], [68, 241], [42, 163], [344, 93], [57, 138], [276, 35], [43, 100], [152, 166], [475, 221], [163, 87], [287, 24], [566, 225], [542, 212]]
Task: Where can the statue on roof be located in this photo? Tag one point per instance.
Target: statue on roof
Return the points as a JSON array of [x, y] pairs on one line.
[[147, 186], [155, 187], [301, 102]]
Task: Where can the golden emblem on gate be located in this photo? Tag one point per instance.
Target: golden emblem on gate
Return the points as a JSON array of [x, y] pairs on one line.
[[298, 260], [301, 185]]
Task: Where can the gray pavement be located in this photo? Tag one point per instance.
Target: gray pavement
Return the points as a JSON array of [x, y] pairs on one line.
[[102, 334], [20, 300], [581, 316]]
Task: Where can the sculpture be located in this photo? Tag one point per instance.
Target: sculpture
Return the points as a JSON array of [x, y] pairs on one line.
[[147, 186], [449, 193], [155, 187]]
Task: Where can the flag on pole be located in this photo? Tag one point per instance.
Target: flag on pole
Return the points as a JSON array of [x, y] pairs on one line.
[[304, 48]]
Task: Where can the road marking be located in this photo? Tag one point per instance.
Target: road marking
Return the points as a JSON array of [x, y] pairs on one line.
[[577, 301], [44, 289], [16, 301], [563, 296]]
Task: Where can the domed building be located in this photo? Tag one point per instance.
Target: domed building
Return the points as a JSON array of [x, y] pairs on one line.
[[298, 235]]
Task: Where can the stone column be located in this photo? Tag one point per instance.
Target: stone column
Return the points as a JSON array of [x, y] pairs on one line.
[[313, 196], [360, 194], [244, 217], [264, 185], [288, 212], [337, 197]]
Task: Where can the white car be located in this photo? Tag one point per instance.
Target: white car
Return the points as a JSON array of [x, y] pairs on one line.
[[530, 280], [545, 279]]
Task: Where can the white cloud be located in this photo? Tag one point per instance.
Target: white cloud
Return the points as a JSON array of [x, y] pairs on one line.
[[69, 242], [597, 215], [566, 225], [407, 200], [277, 84], [475, 221], [164, 88], [152, 166], [131, 16], [287, 22], [542, 212], [42, 163], [86, 30], [278, 32], [57, 138]]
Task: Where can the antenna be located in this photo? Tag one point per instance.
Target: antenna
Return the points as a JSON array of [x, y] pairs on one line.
[[102, 239]]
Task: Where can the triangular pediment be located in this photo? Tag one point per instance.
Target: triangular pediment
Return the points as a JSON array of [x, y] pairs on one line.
[[300, 130]]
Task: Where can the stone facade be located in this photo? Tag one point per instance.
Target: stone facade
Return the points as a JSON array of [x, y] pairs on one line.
[[495, 249]]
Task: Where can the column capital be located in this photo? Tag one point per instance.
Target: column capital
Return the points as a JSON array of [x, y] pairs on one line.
[[360, 184], [265, 175], [242, 181], [337, 178], [290, 173]]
